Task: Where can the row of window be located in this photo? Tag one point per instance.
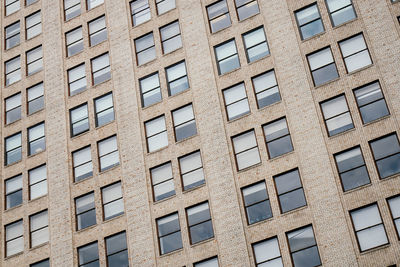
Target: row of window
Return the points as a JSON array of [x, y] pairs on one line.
[[72, 8], [12, 6], [33, 27], [140, 9]]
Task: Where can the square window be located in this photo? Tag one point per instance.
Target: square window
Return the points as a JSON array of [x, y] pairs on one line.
[[290, 191], [368, 226], [82, 162], [43, 263], [309, 21], [33, 24], [341, 11], [108, 153], [278, 138], [177, 79], [93, 3], [355, 53], [199, 221], [218, 16], [37, 182], [255, 44], [246, 8], [256, 202], [79, 119], [213, 262], [13, 190], [266, 89], [77, 79], [171, 37], [371, 102], [88, 255], [191, 168], [97, 31], [113, 204], [267, 253], [72, 9], [246, 150], [184, 122], [145, 49], [236, 102], [303, 247], [336, 115], [140, 11], [34, 60], [12, 33], [156, 134], [169, 233], [386, 151], [101, 70], [74, 41], [12, 6], [35, 98], [13, 149], [117, 250], [36, 139], [13, 108], [394, 205], [163, 6], [322, 66], [227, 57], [13, 70], [14, 238], [85, 211], [162, 181], [39, 228], [351, 167], [150, 89], [104, 109]]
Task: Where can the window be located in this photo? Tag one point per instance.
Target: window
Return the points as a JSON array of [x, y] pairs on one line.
[[309, 21], [113, 204], [368, 225], [341, 11], [108, 153], [36, 139], [184, 122], [93, 3], [191, 168], [218, 16], [74, 40], [14, 238], [82, 161], [386, 151], [246, 150], [101, 70], [164, 6], [13, 148], [13, 70], [140, 11], [171, 37], [371, 102], [104, 109], [322, 66], [88, 255], [267, 253], [355, 53], [43, 263], [336, 115], [13, 108], [394, 205], [278, 138], [169, 233], [156, 134], [35, 98], [85, 211], [13, 191], [177, 79], [150, 89], [303, 247], [79, 120], [236, 102], [213, 262], [77, 79], [246, 8], [290, 191], [39, 228], [162, 180], [145, 49], [200, 225], [117, 250], [33, 25], [12, 6], [34, 60], [97, 31], [255, 44], [266, 89], [37, 182], [256, 202], [12, 33], [30, 2], [227, 57], [352, 170], [72, 9]]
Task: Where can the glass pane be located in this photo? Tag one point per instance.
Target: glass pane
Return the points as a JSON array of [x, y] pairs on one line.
[[170, 242], [193, 179], [308, 14], [94, 3], [266, 250], [259, 212], [325, 74], [157, 141], [168, 224], [185, 130], [374, 111], [301, 238], [385, 146], [164, 190], [292, 200], [86, 219], [116, 243], [307, 258], [275, 129], [217, 9], [254, 37], [372, 237], [14, 199], [287, 182], [140, 11], [190, 162], [12, 7], [108, 145], [334, 107], [311, 29], [13, 156], [40, 237], [38, 190], [15, 246], [88, 253], [358, 61], [198, 213], [366, 217], [352, 45], [161, 173], [165, 6], [111, 192], [118, 260], [108, 161], [248, 158], [355, 178], [14, 230], [238, 109], [248, 10], [113, 209], [343, 15], [183, 115], [389, 166], [84, 203], [45, 263], [201, 232], [255, 193], [368, 94], [73, 10], [268, 97], [394, 204], [320, 58], [37, 174], [244, 142], [208, 263], [349, 159], [83, 171]]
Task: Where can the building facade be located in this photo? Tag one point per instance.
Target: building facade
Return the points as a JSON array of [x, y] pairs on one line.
[[200, 133]]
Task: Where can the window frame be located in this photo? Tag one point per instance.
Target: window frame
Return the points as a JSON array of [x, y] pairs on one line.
[[38, 229], [117, 252], [86, 245], [13, 192], [162, 182], [161, 1], [98, 31], [20, 221], [103, 204], [230, 56], [246, 49], [106, 54], [185, 122], [181, 174], [324, 66], [160, 132], [397, 229], [86, 211], [336, 115], [89, 175], [338, 10], [31, 141], [236, 101], [101, 170], [262, 241], [72, 124], [159, 237], [238, 7], [39, 182], [176, 79], [37, 264], [69, 45], [28, 63], [32, 26], [153, 46], [96, 117], [140, 11], [151, 90], [6, 112], [74, 68], [245, 206], [309, 22], [12, 71], [163, 41], [71, 7], [219, 15], [202, 222], [7, 151], [34, 99], [358, 52], [277, 138], [195, 264], [247, 149], [10, 4], [7, 38]]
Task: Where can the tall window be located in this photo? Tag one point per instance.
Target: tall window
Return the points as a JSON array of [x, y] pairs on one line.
[[74, 40], [256, 202], [150, 89], [164, 6], [77, 79], [236, 102], [267, 253], [79, 119], [322, 66], [14, 238], [13, 148], [108, 153], [171, 37], [386, 151], [13, 189], [12, 70], [177, 79], [37, 182], [88, 255], [145, 49], [72, 9], [341, 11], [266, 89], [278, 139], [82, 161], [33, 24], [355, 53], [101, 70], [43, 263], [93, 3], [113, 204], [156, 133], [35, 98], [97, 31], [140, 11], [337, 115], [394, 205], [184, 122], [200, 225], [309, 21], [34, 60], [104, 109], [191, 168], [227, 57], [290, 191], [213, 262], [12, 6], [162, 180], [368, 225], [218, 16], [371, 102], [246, 150], [36, 139], [255, 44], [169, 233], [117, 250], [246, 8], [85, 211], [13, 108], [12, 33], [39, 228], [303, 247]]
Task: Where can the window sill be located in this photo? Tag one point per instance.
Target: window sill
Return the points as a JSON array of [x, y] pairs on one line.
[[164, 199], [220, 30], [250, 167], [173, 51], [180, 93], [194, 188], [14, 122], [171, 253], [295, 210], [344, 23], [260, 59], [147, 63], [326, 83], [371, 250], [241, 117], [103, 82], [248, 17], [357, 188], [110, 169], [35, 199], [39, 246], [377, 120], [80, 134], [14, 208], [13, 256], [98, 44], [37, 111], [273, 104], [157, 150], [12, 164], [104, 125], [312, 37], [389, 177], [187, 138], [12, 84], [341, 133], [361, 69], [202, 242], [259, 222], [229, 72], [281, 156], [33, 155], [151, 105], [85, 229], [113, 219], [79, 53]]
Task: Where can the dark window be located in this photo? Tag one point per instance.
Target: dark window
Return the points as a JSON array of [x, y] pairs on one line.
[[394, 204], [169, 233], [37, 182], [101, 70], [12, 70], [108, 153], [290, 191], [156, 133], [36, 139], [266, 89], [218, 16], [74, 40], [163, 181], [145, 49], [14, 235], [117, 250], [200, 225], [355, 53], [72, 9], [79, 119], [303, 247], [386, 152], [236, 102], [341, 11], [309, 21], [77, 79], [246, 150], [43, 263], [13, 108], [171, 37], [104, 109], [13, 149], [255, 44], [97, 31], [337, 115], [267, 253], [278, 138], [35, 98], [184, 122], [164, 6], [113, 204], [191, 168], [246, 8], [256, 202], [140, 11], [227, 57], [13, 190], [88, 255], [12, 35], [82, 163], [322, 66], [177, 79], [150, 89], [85, 211]]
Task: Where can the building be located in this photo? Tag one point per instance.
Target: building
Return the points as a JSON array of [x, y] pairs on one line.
[[200, 133]]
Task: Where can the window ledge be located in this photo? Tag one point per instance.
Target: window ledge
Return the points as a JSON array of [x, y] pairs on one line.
[[361, 69], [295, 210], [389, 177], [164, 199], [15, 255], [180, 93], [85, 229], [33, 155], [39, 246], [357, 188], [328, 82], [113, 219], [241, 117], [250, 167], [202, 242], [194, 188], [98, 44], [110, 169], [80, 134], [35, 199], [173, 51], [312, 37], [12, 123], [157, 150], [108, 123], [377, 120], [79, 53], [220, 29], [81, 181], [151, 105], [103, 82], [283, 155], [187, 138], [273, 104], [341, 133], [171, 253], [14, 163], [147, 63], [248, 17], [14, 208], [229, 72], [345, 23], [38, 111], [13, 84], [260, 59], [371, 250], [260, 222]]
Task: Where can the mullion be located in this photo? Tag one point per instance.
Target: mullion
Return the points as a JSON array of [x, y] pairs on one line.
[[9, 37], [359, 51], [14, 191], [12, 3], [369, 227], [379, 99], [36, 230], [341, 8], [33, 25], [309, 22], [337, 115], [388, 156], [278, 137], [269, 88], [9, 240], [349, 170], [290, 191], [258, 263], [193, 170], [185, 122], [163, 181], [31, 141], [146, 6], [75, 122], [156, 134], [245, 150]]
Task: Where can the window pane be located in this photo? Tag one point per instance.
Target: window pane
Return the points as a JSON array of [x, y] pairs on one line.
[[320, 58], [37, 182], [164, 6], [256, 202], [101, 69], [177, 78], [341, 11], [191, 170], [218, 16], [184, 123], [97, 31], [290, 191], [207, 263], [88, 253], [108, 153], [12, 33], [246, 150], [14, 238], [372, 237], [355, 53], [72, 9], [301, 238], [140, 11], [13, 108], [79, 120], [256, 44], [94, 3], [309, 21], [33, 25], [169, 233], [112, 201], [150, 89], [236, 101], [74, 41], [13, 191], [36, 139], [77, 79], [246, 10], [227, 57], [337, 115], [198, 214], [394, 204], [171, 37], [82, 161], [104, 109], [145, 50], [39, 228], [35, 98], [13, 70], [156, 134], [12, 6], [267, 250], [44, 263]]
